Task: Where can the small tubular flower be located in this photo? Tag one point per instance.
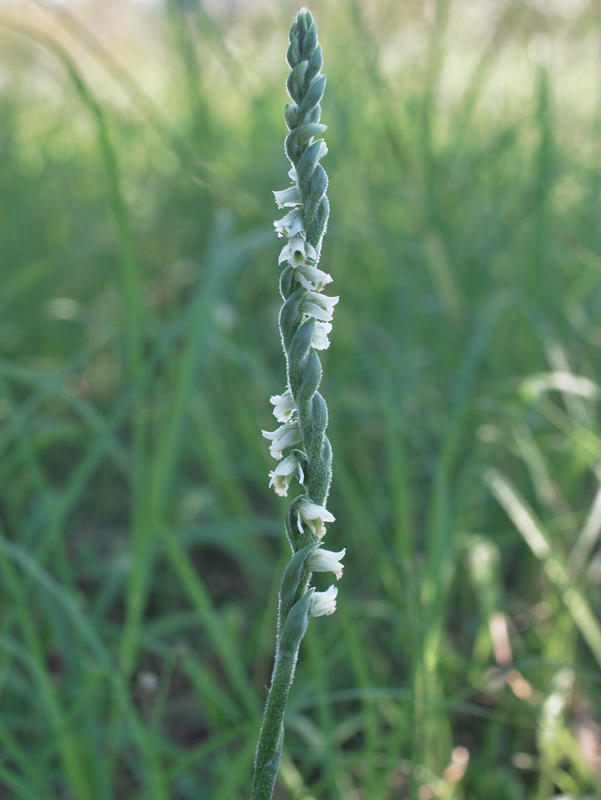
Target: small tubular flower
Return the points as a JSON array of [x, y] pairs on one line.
[[323, 603], [288, 197], [327, 561], [312, 278], [297, 251], [284, 406], [320, 339], [313, 516], [283, 474], [319, 306], [285, 436], [291, 224]]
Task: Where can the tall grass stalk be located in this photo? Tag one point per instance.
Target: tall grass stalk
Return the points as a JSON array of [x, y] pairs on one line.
[[305, 322]]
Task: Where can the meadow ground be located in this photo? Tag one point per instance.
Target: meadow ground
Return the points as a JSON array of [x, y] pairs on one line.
[[140, 546]]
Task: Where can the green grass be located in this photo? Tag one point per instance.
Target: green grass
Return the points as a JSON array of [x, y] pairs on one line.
[[140, 547]]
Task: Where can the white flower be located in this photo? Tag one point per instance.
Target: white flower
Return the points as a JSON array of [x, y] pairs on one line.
[[313, 516], [283, 474], [319, 306], [320, 339], [327, 561], [292, 175], [323, 603], [297, 251], [288, 197], [323, 150], [291, 224], [284, 436], [312, 278], [283, 406]]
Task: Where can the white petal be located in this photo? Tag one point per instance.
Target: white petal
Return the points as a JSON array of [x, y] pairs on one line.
[[280, 484], [284, 406], [319, 306], [283, 474], [284, 436], [327, 561], [285, 254], [295, 251], [291, 224], [320, 339], [290, 438], [288, 197], [317, 312], [323, 603], [314, 517], [312, 278]]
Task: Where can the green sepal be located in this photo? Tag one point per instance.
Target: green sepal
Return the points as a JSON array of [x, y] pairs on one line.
[[320, 476], [287, 281], [315, 64], [313, 96], [294, 629], [317, 189], [293, 56], [316, 227], [300, 344], [304, 380], [307, 130], [314, 115], [291, 116], [300, 25], [309, 41], [306, 163], [290, 315], [295, 81]]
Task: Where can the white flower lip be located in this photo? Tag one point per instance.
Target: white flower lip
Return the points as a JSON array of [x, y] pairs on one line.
[[319, 306], [286, 435], [283, 474], [320, 339], [297, 251], [288, 197], [327, 561], [314, 517], [323, 603], [284, 406]]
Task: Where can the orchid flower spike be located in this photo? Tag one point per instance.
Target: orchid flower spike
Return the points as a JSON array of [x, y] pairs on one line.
[[305, 325]]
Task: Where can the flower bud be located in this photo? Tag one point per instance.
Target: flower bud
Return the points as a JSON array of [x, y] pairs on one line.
[[291, 115]]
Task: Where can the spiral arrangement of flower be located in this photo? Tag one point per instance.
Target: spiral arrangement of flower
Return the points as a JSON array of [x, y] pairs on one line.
[[306, 314], [305, 323]]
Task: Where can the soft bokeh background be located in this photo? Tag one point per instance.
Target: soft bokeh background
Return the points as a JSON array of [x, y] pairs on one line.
[[140, 546]]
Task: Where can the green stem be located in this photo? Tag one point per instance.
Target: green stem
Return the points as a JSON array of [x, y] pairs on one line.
[[271, 736]]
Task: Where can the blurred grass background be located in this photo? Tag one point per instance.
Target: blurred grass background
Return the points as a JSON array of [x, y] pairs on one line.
[[140, 547]]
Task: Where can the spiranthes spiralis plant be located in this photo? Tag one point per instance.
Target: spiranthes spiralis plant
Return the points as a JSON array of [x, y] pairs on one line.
[[305, 322]]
